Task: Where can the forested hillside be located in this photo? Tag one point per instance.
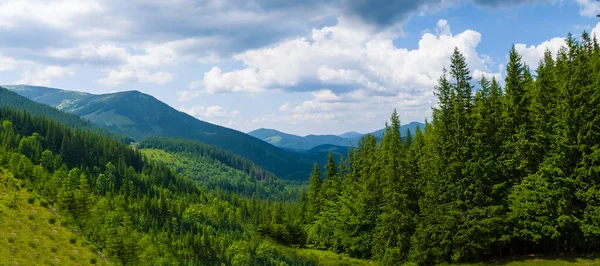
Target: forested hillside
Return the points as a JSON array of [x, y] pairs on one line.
[[16, 101], [213, 168], [139, 116], [498, 171], [135, 211]]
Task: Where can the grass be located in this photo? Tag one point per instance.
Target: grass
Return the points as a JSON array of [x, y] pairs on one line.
[[323, 257], [545, 260], [31, 234]]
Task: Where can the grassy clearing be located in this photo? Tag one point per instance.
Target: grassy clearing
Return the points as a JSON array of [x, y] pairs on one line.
[[31, 234]]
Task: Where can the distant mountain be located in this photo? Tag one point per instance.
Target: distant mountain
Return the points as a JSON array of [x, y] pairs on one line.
[[139, 116], [351, 135], [298, 143], [294, 142]]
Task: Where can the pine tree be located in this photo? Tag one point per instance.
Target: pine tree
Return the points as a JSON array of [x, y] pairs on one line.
[[315, 200]]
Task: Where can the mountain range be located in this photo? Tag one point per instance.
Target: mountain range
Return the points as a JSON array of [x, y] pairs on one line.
[[309, 142], [139, 116]]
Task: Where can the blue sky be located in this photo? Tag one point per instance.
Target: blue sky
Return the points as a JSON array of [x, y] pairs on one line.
[[302, 67]]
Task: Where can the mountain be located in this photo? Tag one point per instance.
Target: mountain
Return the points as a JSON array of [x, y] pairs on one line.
[[13, 100], [294, 142], [351, 135], [298, 143], [138, 115]]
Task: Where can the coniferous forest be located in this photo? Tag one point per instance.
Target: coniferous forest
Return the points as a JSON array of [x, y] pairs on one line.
[[504, 167], [500, 170]]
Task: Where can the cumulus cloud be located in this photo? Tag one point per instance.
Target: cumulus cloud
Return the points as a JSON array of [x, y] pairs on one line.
[[588, 8], [43, 76], [347, 57], [534, 53], [210, 113]]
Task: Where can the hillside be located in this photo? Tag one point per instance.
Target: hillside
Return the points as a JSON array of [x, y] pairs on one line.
[[138, 212], [138, 115], [13, 100], [214, 168], [32, 233]]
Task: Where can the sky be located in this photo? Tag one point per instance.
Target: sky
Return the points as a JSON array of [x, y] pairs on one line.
[[298, 66]]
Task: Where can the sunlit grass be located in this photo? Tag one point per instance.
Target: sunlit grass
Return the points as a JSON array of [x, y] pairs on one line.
[[31, 234]]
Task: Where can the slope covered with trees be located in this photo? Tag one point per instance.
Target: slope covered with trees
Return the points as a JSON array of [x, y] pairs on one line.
[[34, 234], [213, 168], [498, 171], [13, 100], [136, 211]]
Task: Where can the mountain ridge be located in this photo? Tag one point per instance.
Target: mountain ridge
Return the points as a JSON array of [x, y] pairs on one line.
[[139, 116], [308, 142]]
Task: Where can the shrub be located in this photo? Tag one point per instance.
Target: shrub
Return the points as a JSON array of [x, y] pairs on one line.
[[93, 261], [31, 200], [52, 220]]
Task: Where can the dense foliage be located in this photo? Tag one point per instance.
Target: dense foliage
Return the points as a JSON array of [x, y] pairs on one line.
[[213, 175], [138, 212], [499, 171]]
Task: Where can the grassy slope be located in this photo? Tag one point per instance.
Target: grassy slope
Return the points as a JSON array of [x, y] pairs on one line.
[[32, 235]]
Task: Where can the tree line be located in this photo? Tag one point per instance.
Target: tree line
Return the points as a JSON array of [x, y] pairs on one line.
[[499, 170]]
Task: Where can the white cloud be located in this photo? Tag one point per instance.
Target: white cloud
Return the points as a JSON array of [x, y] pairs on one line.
[[211, 113], [443, 28], [534, 53], [285, 107], [347, 56], [7, 63], [596, 31], [120, 65], [43, 76], [58, 13], [588, 8]]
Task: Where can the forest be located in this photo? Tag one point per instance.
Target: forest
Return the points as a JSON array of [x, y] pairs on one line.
[[499, 170], [130, 209], [503, 168]]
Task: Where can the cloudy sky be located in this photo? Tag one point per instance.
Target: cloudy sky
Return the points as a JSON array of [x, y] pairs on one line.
[[322, 67]]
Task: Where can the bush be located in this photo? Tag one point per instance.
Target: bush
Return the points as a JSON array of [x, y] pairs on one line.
[[73, 240], [54, 249], [52, 220], [31, 200], [44, 203], [93, 261]]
